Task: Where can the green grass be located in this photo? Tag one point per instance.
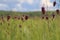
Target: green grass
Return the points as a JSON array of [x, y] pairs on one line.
[[32, 29]]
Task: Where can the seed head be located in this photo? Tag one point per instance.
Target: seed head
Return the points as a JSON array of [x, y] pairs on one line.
[[57, 11], [43, 10], [15, 17], [42, 17], [8, 17], [46, 17], [54, 3], [26, 17]]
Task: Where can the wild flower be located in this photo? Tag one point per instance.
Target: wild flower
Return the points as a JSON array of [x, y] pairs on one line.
[[42, 17], [26, 17], [47, 18], [53, 15], [43, 10], [15, 17], [54, 3], [8, 17], [57, 11]]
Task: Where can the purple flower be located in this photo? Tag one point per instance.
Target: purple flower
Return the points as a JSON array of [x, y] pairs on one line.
[[42, 17], [26, 17], [46, 17], [54, 3], [8, 17], [57, 11], [43, 10]]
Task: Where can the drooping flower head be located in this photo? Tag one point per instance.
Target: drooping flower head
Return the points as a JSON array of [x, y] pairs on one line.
[[8, 17], [42, 17], [53, 15], [57, 11], [26, 17], [43, 10], [47, 18], [54, 3]]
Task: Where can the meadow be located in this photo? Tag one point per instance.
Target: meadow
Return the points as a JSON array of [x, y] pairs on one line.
[[35, 27]]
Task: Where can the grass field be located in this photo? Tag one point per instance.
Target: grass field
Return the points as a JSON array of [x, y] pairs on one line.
[[35, 28]]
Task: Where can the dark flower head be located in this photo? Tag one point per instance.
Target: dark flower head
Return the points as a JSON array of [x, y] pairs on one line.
[[43, 10], [26, 17], [54, 3], [8, 17], [53, 15], [42, 17], [46, 17], [57, 11], [15, 17]]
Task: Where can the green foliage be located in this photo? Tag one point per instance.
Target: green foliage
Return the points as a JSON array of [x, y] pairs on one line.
[[31, 29]]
